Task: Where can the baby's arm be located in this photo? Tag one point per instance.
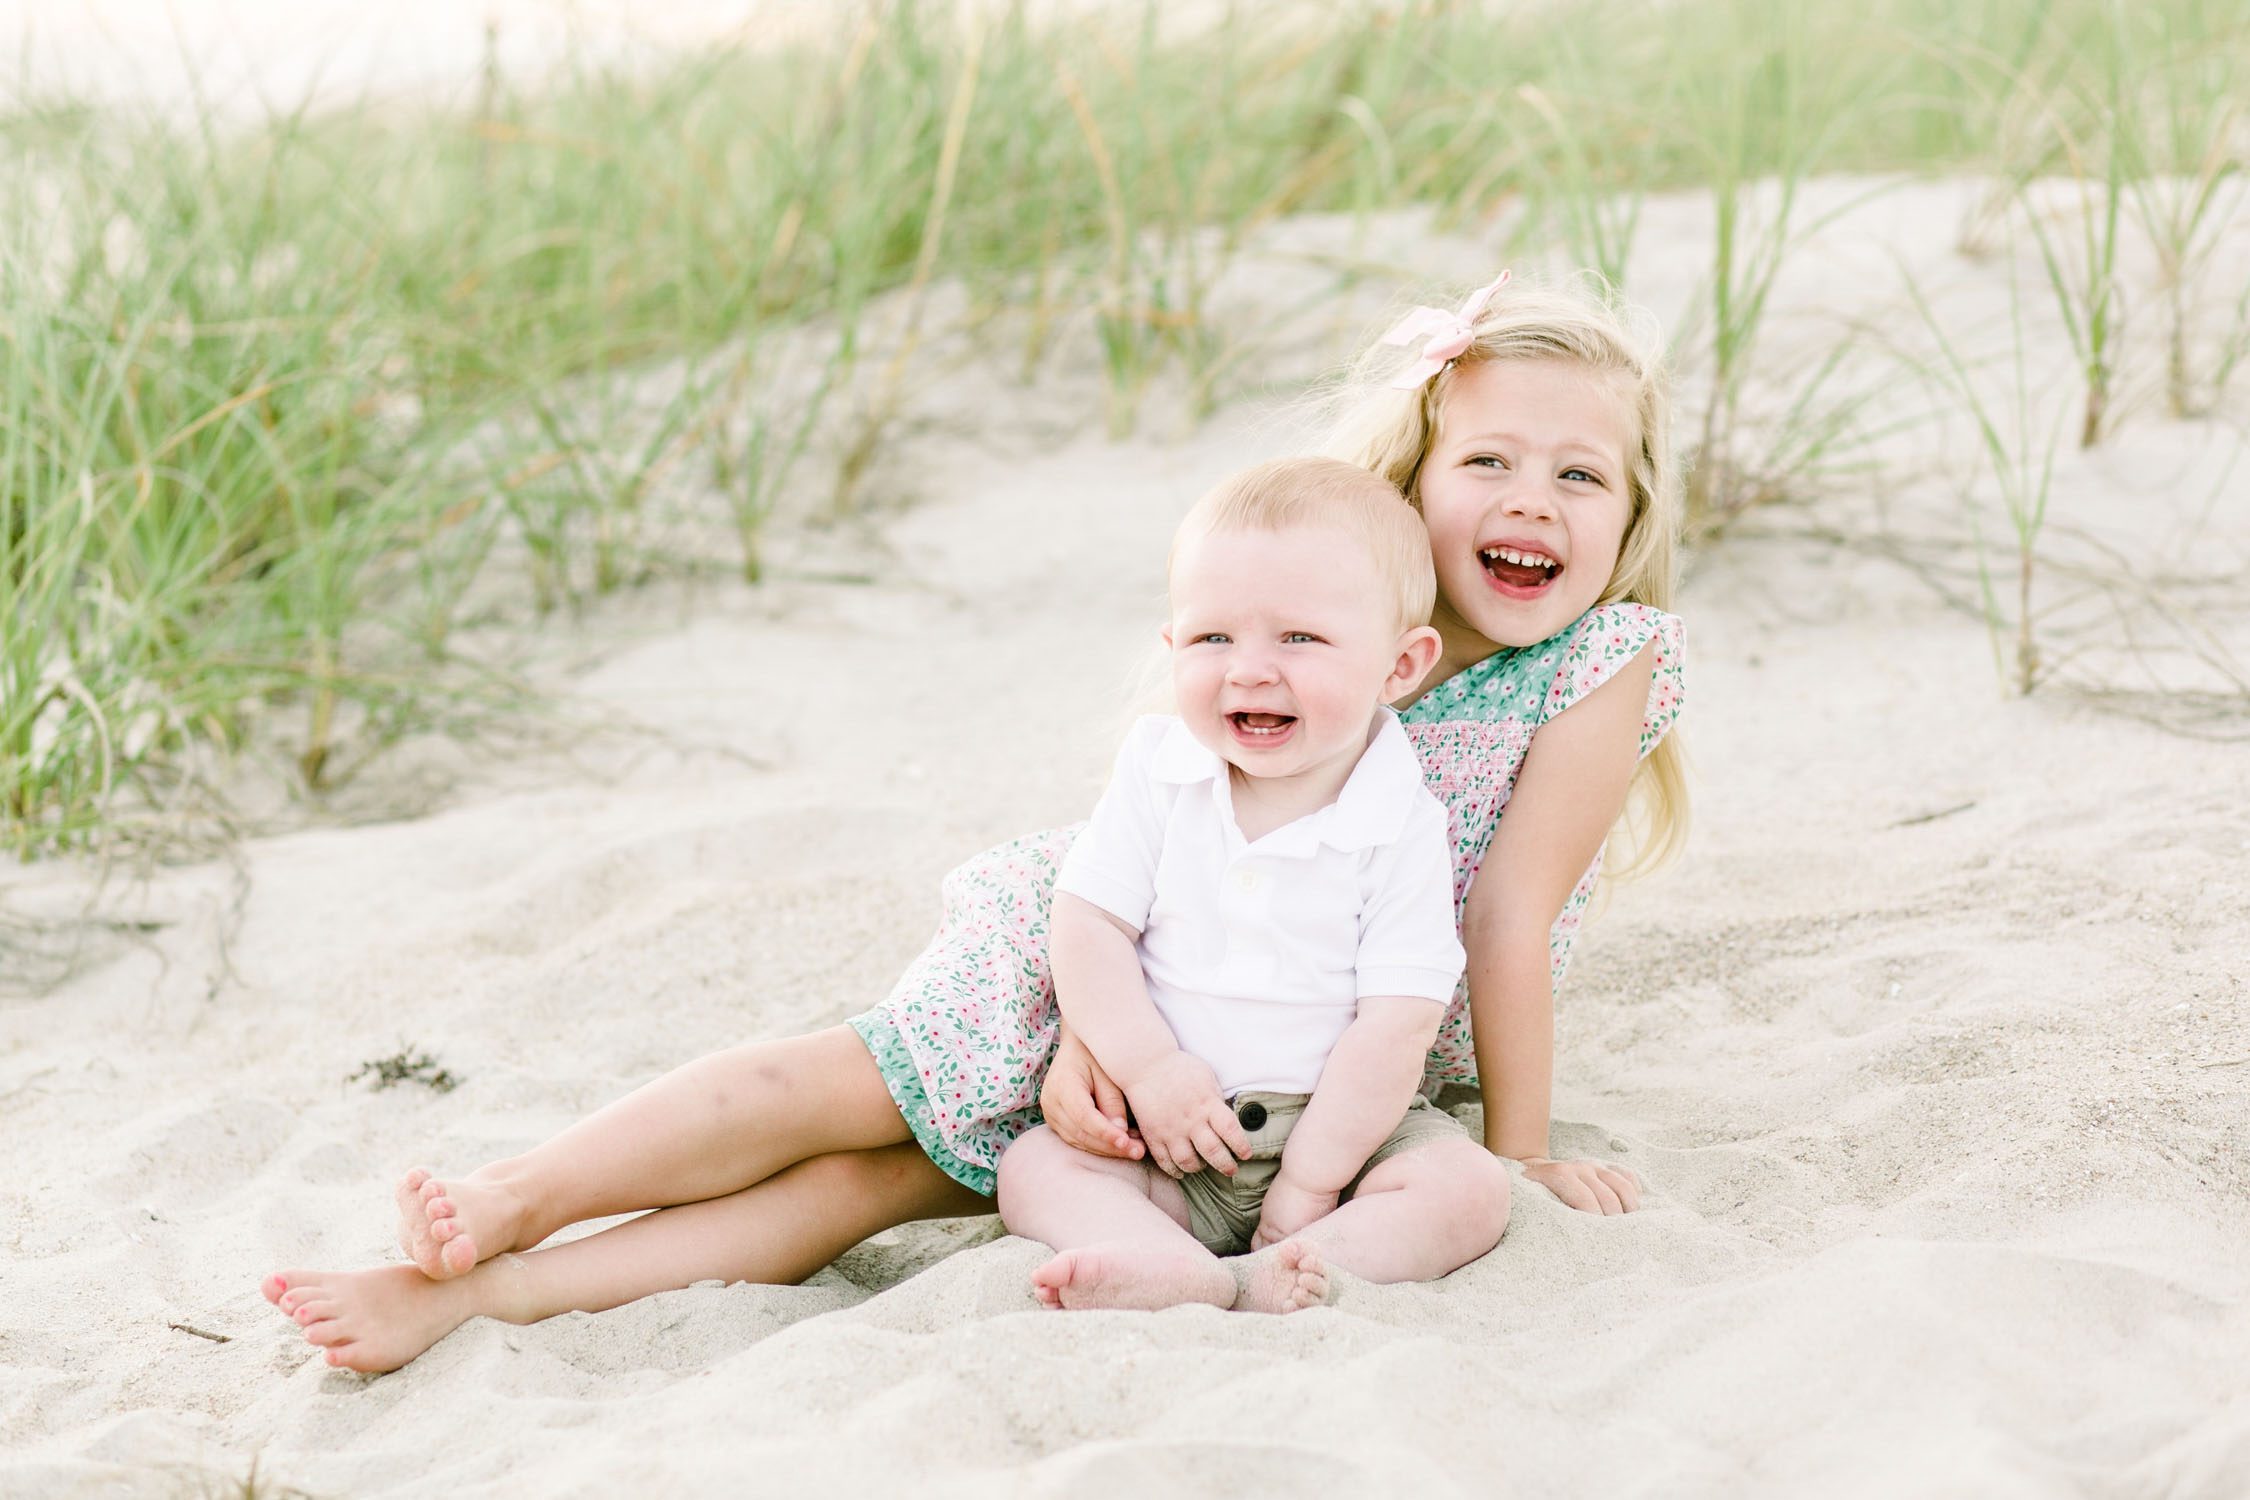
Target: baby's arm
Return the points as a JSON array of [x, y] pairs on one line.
[[1175, 1097], [1567, 798], [1365, 1088]]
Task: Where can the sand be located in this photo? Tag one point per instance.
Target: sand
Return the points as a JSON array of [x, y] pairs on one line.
[[1933, 1051]]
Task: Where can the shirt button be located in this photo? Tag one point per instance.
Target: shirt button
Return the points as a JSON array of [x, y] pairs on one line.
[[1246, 880]]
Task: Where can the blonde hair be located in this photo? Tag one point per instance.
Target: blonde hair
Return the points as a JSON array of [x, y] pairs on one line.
[[1582, 321], [1349, 497]]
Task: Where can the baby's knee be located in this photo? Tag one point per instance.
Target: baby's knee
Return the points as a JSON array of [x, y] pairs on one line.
[[1024, 1166], [1477, 1191], [1488, 1196]]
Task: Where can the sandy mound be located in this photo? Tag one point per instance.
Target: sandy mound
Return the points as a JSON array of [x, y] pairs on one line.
[[1933, 1053]]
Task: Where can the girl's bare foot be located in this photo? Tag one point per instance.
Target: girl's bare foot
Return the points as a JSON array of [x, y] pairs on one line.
[[373, 1320], [446, 1228], [1282, 1278], [1133, 1276]]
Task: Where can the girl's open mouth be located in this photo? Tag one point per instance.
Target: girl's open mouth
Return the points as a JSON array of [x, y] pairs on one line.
[[1261, 730], [1518, 574]]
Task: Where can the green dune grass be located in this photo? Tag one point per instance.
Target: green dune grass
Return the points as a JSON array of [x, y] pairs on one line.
[[269, 397]]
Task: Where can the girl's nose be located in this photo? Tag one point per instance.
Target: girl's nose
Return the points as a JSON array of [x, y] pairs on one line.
[[1532, 498]]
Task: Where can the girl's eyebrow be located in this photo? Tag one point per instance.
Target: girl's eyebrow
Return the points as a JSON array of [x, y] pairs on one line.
[[1569, 445]]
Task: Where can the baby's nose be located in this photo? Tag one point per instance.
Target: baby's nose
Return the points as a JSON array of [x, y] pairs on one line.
[[1252, 666]]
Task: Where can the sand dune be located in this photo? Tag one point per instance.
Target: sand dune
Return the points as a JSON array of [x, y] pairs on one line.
[[1932, 1051]]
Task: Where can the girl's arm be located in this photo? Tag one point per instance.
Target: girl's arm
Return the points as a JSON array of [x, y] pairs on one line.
[[1567, 798], [1083, 1104]]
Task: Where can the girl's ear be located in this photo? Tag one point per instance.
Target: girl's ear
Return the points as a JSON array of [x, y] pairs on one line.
[[1417, 653]]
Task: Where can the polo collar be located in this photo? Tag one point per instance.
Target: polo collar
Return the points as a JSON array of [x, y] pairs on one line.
[[1371, 809]]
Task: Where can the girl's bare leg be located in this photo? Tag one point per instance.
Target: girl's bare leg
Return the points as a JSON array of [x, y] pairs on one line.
[[710, 1128], [780, 1230], [1419, 1215]]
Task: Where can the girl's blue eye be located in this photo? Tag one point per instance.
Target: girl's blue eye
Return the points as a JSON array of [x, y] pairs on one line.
[[1587, 476], [1486, 458]]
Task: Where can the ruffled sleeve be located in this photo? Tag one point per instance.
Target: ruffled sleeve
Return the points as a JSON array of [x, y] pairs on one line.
[[1604, 640]]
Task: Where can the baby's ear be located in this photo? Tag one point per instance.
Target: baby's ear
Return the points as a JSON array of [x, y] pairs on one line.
[[1165, 635], [1417, 653]]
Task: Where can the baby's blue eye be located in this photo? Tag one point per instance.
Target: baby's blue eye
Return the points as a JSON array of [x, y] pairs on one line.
[[1298, 637], [1214, 636]]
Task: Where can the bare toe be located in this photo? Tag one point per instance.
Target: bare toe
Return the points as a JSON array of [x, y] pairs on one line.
[[1134, 1276], [1282, 1278], [274, 1287], [447, 1228]]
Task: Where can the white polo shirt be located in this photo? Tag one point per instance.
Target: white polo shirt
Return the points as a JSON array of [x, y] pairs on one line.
[[1257, 954]]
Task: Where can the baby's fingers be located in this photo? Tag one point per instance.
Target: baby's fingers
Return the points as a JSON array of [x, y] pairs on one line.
[[1625, 1185], [1229, 1130], [1215, 1155], [1172, 1154]]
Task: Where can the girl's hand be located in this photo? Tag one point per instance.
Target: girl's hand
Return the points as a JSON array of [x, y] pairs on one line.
[[1289, 1208], [1084, 1105], [1184, 1122], [1591, 1186]]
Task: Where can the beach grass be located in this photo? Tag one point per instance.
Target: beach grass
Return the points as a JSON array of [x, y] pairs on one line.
[[273, 398]]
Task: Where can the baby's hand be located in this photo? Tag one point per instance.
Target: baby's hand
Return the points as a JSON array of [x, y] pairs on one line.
[[1591, 1186], [1289, 1208], [1184, 1123]]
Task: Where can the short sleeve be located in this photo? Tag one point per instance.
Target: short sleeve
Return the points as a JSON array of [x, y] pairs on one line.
[[1604, 640], [1407, 943], [1112, 863]]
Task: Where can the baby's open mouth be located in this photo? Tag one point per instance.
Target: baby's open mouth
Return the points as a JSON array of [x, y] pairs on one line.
[[1259, 725], [1519, 570]]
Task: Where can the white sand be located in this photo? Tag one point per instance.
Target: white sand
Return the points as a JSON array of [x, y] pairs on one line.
[[1944, 1122]]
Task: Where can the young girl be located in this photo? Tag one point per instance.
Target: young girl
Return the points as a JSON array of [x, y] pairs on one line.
[[1531, 430]]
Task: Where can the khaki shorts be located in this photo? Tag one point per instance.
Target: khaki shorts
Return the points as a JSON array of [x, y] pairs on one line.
[[1223, 1210]]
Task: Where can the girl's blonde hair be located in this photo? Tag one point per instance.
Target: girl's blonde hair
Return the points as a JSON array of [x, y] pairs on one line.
[[1583, 321]]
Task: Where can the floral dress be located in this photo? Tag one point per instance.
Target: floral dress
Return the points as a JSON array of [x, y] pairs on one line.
[[965, 1036]]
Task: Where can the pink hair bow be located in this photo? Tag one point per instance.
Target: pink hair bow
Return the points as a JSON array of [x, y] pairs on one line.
[[1447, 334]]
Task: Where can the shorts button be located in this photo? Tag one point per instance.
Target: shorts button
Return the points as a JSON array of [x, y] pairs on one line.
[[1252, 1115]]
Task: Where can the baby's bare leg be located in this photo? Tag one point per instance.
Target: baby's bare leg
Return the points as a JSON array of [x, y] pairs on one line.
[[710, 1128], [1419, 1215], [781, 1230], [1121, 1228]]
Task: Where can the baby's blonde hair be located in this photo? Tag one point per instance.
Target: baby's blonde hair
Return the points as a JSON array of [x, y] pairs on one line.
[[1346, 497], [1581, 321]]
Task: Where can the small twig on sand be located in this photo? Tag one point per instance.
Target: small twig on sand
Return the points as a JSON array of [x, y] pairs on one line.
[[2226, 1062], [1932, 817], [201, 1333]]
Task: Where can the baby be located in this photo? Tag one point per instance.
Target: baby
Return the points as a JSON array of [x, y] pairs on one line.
[[1255, 933]]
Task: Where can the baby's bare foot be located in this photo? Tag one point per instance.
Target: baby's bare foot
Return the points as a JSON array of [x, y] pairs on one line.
[[374, 1320], [1282, 1278], [1133, 1276], [446, 1228]]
